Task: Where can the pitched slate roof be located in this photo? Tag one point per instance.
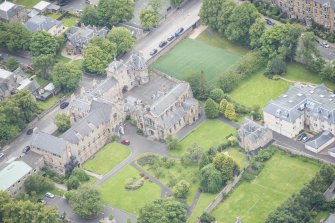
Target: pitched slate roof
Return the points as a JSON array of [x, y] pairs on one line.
[[13, 173], [49, 143], [81, 36], [320, 140], [251, 130], [5, 74], [41, 6], [8, 10], [41, 22]]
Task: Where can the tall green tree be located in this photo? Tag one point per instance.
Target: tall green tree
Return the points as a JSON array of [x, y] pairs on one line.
[[95, 60], [230, 112], [276, 66], [114, 11], [11, 63], [156, 5], [66, 76], [225, 164], [210, 179], [199, 85], [242, 18], [222, 106], [90, 16], [148, 18], [63, 122], [122, 38], [228, 80], [255, 32], [72, 183], [37, 183], [209, 12], [181, 189], [307, 49], [224, 14], [204, 161], [43, 43], [216, 94], [43, 65], [176, 3], [211, 108], [14, 36], [163, 211], [86, 202]]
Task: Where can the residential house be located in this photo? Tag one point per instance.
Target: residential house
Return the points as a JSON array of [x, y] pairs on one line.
[[252, 136], [301, 107], [49, 25], [7, 83], [43, 7], [10, 12], [79, 37], [320, 142]]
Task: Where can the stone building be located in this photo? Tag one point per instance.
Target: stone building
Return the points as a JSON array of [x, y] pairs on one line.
[[10, 12], [43, 23], [321, 12]]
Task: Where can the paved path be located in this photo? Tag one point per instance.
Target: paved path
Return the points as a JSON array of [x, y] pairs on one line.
[[198, 31], [60, 186], [194, 203], [93, 174], [165, 191], [231, 123], [189, 128]]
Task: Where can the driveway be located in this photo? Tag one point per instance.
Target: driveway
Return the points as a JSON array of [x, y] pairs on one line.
[[64, 206]]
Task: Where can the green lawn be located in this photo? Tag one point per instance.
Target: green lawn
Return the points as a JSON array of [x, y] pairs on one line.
[[114, 193], [258, 90], [192, 56], [208, 134], [107, 158], [281, 177], [215, 39], [44, 105], [297, 72], [60, 58], [27, 3], [204, 200], [320, 216], [68, 21], [239, 158]]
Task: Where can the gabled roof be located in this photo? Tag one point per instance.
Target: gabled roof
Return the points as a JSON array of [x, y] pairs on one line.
[[320, 140], [13, 173], [41, 22], [49, 143], [5, 74], [7, 10], [41, 6]]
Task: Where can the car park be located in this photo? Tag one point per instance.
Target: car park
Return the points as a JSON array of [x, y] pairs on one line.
[[2, 155], [153, 52], [64, 104], [179, 31], [26, 149], [49, 195], [30, 131], [170, 38], [269, 22], [162, 44], [125, 142]]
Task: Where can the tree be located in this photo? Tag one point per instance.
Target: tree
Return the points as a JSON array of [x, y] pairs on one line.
[[156, 5], [199, 85], [14, 36], [204, 161], [95, 59], [43, 43], [176, 3], [11, 63], [216, 94], [224, 15], [230, 112], [193, 154], [122, 38], [211, 108], [307, 49], [72, 183], [242, 18], [209, 12], [163, 211], [172, 143], [71, 165], [222, 106], [66, 76], [210, 179], [228, 81], [90, 16], [86, 202], [37, 183], [80, 174], [327, 71], [181, 189], [206, 218], [225, 164], [255, 32], [148, 18], [114, 11], [276, 66], [43, 65], [63, 122]]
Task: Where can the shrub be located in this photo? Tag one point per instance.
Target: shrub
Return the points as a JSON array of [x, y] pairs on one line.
[[206, 218], [216, 94], [134, 184], [181, 189], [147, 160], [211, 108], [111, 217]]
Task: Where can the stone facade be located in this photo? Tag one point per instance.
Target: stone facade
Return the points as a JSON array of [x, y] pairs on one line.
[[321, 12], [10, 12]]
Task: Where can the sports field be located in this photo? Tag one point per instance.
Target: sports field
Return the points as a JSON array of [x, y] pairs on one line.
[[192, 56], [281, 177]]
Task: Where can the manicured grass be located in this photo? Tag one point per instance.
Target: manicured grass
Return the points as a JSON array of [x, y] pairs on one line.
[[54, 15], [192, 56], [204, 200], [210, 133], [258, 90], [107, 158], [60, 58], [238, 157], [44, 105], [281, 177], [114, 193], [297, 72], [41, 81], [215, 39], [69, 21], [27, 3]]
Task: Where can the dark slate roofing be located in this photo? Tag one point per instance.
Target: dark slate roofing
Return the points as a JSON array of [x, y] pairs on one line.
[[251, 130], [320, 140], [49, 143], [8, 10], [173, 117], [136, 61], [81, 36], [41, 22], [189, 102], [81, 105], [100, 113], [104, 86]]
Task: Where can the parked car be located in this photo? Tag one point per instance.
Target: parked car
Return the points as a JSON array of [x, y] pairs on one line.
[[26, 149], [64, 104], [269, 22], [30, 131], [324, 44], [162, 44], [41, 200], [153, 52], [125, 142], [305, 139], [302, 135], [49, 195], [170, 38], [179, 31], [2, 155]]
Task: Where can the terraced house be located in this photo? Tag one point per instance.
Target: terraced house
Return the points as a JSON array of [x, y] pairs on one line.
[[302, 107], [321, 12]]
